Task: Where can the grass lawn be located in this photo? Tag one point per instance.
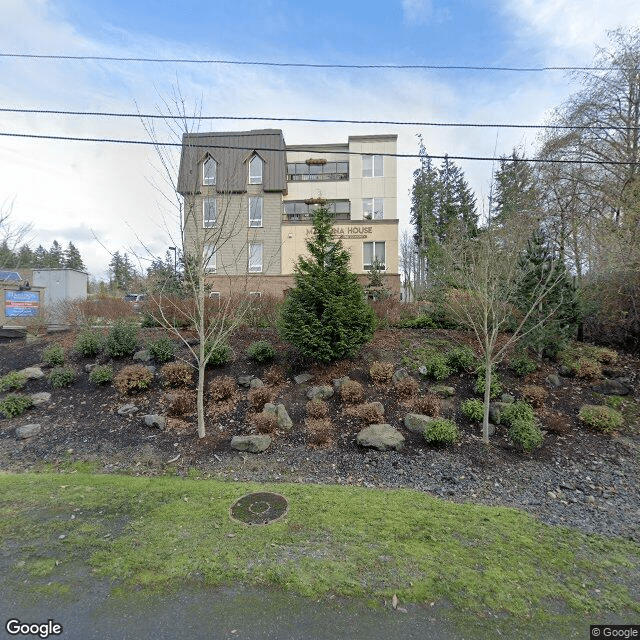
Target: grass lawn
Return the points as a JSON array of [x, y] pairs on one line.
[[167, 532]]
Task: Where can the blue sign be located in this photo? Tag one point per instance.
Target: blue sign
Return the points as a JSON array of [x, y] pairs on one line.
[[21, 303]]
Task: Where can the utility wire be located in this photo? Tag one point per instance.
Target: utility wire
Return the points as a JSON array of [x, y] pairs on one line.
[[400, 123], [307, 65], [302, 148]]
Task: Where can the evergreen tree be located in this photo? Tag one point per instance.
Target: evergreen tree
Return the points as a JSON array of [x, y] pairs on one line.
[[325, 315], [121, 272], [555, 318], [40, 257], [55, 256], [26, 257], [72, 258], [7, 257], [162, 276]]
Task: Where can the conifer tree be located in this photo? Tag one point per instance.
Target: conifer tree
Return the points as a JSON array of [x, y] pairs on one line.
[[55, 256], [72, 258], [325, 316]]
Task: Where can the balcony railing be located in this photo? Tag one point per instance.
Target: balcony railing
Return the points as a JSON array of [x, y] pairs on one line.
[[306, 217]]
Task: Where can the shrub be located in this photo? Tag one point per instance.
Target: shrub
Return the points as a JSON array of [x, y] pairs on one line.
[[62, 377], [496, 385], [518, 412], [601, 417], [441, 431], [12, 380], [53, 355], [462, 359], [89, 343], [222, 388], [162, 349], [522, 365], [219, 353], [265, 422], [317, 408], [258, 397], [602, 354], [15, 404], [182, 403], [370, 413], [428, 405], [352, 392], [420, 322], [473, 409], [177, 374], [436, 367], [615, 402], [273, 375], [381, 372], [587, 369], [407, 388], [122, 340], [132, 378], [102, 374], [525, 434], [534, 395], [320, 432], [261, 351], [148, 320]]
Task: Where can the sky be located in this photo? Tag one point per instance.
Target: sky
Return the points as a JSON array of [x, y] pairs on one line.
[[112, 197]]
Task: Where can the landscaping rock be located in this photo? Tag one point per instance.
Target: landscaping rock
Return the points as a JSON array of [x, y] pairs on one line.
[[255, 383], [90, 367], [494, 412], [244, 381], [252, 444], [32, 373], [442, 390], [565, 372], [127, 409], [399, 374], [269, 407], [554, 380], [284, 421], [321, 392], [154, 420], [42, 397], [301, 378], [381, 437], [417, 422], [338, 382], [507, 398], [611, 388], [142, 356], [27, 431]]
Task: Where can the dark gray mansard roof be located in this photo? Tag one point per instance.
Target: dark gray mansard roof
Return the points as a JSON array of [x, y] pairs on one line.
[[232, 151]]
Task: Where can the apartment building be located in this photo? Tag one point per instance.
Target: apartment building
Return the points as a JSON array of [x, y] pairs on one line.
[[249, 200]]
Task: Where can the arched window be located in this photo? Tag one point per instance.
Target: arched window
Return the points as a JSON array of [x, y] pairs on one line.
[[209, 167], [255, 170]]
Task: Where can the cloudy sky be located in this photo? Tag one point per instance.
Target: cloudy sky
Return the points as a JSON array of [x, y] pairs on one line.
[[102, 196]]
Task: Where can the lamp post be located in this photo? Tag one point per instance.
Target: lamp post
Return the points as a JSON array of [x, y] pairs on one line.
[[175, 261]]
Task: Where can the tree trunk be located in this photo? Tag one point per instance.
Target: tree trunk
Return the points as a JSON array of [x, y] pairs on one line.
[[487, 400]]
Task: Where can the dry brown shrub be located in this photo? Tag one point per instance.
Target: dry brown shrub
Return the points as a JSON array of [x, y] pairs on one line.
[[534, 395], [222, 388], [258, 397], [274, 375], [182, 403], [407, 388], [106, 307], [265, 423], [427, 405], [177, 374], [381, 372], [319, 432], [554, 421], [370, 413], [352, 392], [132, 378], [317, 408], [588, 369]]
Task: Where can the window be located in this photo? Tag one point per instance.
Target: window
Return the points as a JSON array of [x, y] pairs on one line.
[[255, 212], [209, 213], [214, 295], [255, 257], [302, 171], [209, 168], [255, 170], [372, 166], [209, 257], [372, 208], [255, 294], [372, 251], [296, 210]]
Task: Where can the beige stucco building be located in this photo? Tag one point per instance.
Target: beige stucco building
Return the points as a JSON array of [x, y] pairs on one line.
[[249, 199]]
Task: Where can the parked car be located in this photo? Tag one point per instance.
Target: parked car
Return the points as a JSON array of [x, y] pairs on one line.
[[136, 299]]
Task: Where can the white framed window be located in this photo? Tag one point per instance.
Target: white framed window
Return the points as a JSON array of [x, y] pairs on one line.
[[255, 170], [372, 208], [209, 212], [372, 166], [371, 251], [209, 171], [255, 294], [255, 212], [209, 258], [214, 295], [255, 257]]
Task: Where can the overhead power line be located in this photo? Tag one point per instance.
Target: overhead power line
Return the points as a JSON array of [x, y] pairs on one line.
[[400, 123], [306, 148], [306, 65]]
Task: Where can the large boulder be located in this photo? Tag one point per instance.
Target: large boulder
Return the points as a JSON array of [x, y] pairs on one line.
[[154, 420], [301, 378], [284, 421], [252, 444], [612, 388], [32, 373], [417, 422], [381, 437], [27, 431], [321, 392], [40, 398], [442, 390]]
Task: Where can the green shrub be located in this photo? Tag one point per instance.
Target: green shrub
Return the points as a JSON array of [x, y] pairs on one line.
[[89, 343], [261, 351], [441, 431], [122, 340], [436, 367], [219, 354], [496, 385], [473, 409], [615, 402], [12, 380], [601, 417], [102, 374], [15, 404], [132, 378], [522, 365], [462, 359], [518, 412], [148, 320], [525, 434], [53, 355], [421, 322], [162, 349], [62, 377]]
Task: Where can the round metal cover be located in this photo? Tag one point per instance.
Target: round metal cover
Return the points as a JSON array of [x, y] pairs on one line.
[[259, 508]]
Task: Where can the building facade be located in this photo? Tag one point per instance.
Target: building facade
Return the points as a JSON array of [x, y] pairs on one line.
[[249, 200]]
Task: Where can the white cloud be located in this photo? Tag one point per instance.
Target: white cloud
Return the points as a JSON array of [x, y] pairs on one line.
[[417, 11]]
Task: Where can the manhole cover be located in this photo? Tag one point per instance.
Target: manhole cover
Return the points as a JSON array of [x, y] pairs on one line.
[[259, 508]]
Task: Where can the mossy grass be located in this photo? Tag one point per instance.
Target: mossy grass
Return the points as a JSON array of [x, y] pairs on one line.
[[164, 533]]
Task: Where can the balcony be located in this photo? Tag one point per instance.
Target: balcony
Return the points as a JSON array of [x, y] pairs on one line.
[[306, 217], [302, 210], [317, 171]]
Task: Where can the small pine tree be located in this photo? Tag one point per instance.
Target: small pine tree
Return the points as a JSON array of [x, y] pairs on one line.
[[326, 315], [376, 288], [558, 313]]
